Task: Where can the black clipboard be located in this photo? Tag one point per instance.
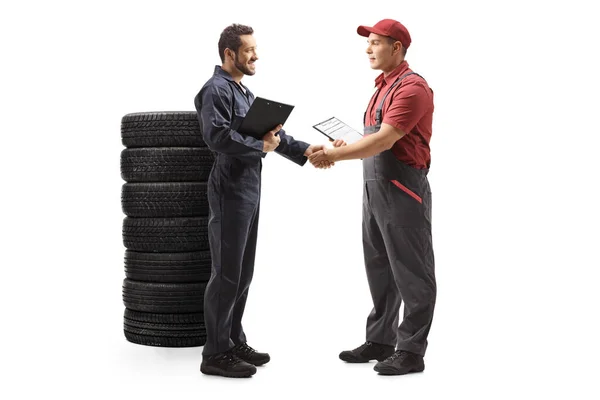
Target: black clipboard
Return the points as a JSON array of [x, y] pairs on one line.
[[263, 116]]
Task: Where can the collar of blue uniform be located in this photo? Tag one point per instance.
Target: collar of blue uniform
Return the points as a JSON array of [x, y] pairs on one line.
[[219, 71]]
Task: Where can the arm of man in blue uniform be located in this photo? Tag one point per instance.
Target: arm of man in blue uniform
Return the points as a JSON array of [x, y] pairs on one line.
[[367, 147], [298, 151], [215, 119], [292, 149]]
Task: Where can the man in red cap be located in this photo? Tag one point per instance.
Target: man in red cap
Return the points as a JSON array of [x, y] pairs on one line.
[[397, 239]]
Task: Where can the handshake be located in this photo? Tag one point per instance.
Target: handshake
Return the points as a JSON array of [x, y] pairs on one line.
[[317, 154], [320, 157]]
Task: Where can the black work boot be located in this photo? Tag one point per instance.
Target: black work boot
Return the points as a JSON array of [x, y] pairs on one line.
[[367, 352], [226, 364], [400, 363], [248, 354]]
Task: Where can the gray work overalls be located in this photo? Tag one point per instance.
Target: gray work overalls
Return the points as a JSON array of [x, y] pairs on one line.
[[397, 247]]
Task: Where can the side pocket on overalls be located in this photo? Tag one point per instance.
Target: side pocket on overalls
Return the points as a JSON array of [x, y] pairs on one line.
[[405, 206], [407, 191]]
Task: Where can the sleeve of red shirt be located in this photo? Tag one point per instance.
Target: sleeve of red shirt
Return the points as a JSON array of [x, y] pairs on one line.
[[408, 106]]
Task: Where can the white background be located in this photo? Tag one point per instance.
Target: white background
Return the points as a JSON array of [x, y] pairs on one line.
[[514, 179]]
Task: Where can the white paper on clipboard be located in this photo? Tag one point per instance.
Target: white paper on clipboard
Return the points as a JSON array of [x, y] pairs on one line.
[[335, 129]]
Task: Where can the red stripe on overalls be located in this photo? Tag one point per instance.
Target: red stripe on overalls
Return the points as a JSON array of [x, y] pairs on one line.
[[407, 191]]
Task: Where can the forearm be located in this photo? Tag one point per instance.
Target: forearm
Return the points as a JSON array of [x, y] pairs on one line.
[[368, 146], [227, 141], [291, 148], [364, 148]]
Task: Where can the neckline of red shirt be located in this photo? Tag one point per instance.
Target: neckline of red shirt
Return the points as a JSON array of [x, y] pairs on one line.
[[383, 80]]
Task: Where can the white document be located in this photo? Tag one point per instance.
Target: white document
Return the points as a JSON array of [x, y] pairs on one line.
[[335, 129]]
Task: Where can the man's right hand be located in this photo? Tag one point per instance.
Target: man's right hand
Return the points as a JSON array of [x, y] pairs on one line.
[[319, 158], [270, 140]]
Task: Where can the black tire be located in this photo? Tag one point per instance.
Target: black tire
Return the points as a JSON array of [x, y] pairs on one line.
[[161, 129], [164, 297], [166, 164], [179, 199], [188, 319], [168, 267], [164, 330], [165, 235]]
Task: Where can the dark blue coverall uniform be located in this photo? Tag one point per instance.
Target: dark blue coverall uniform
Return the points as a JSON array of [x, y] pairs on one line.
[[234, 188]]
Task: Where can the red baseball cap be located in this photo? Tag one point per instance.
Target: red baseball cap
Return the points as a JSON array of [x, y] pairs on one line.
[[387, 27]]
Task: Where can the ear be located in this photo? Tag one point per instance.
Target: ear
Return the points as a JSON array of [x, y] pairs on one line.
[[397, 47], [229, 54]]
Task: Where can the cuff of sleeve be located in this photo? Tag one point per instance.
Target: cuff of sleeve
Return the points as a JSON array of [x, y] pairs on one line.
[[302, 161], [303, 146], [259, 145]]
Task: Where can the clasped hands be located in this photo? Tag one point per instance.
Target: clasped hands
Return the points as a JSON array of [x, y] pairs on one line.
[[317, 154], [320, 156]]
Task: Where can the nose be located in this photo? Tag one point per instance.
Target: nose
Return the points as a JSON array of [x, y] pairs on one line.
[[369, 51]]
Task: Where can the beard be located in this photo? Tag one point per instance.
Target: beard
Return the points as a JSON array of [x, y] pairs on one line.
[[242, 67]]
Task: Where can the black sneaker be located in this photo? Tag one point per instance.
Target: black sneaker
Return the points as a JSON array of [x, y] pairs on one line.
[[367, 352], [226, 364], [248, 354], [400, 363]]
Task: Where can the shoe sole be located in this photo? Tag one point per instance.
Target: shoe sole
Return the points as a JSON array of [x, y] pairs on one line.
[[216, 371], [355, 360], [385, 370], [258, 364]]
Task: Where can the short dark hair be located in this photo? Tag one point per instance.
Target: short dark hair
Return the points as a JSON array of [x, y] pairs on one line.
[[230, 38], [391, 41]]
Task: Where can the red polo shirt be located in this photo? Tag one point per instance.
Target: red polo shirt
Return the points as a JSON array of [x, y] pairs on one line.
[[408, 107]]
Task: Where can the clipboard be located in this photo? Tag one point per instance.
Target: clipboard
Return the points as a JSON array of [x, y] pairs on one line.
[[263, 116], [335, 129]]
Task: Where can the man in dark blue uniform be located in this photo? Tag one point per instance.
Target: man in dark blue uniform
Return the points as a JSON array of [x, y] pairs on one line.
[[234, 197]]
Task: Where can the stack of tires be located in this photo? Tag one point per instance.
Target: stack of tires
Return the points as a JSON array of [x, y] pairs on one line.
[[167, 260]]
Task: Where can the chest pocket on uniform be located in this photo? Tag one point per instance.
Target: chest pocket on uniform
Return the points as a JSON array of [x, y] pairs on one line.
[[237, 118]]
